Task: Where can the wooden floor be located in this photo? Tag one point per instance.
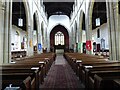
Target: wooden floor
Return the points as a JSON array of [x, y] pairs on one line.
[[61, 76]]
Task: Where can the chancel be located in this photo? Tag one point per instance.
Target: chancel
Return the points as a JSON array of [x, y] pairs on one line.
[[59, 44]]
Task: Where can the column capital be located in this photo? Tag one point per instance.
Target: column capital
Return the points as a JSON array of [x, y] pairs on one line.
[[2, 5]]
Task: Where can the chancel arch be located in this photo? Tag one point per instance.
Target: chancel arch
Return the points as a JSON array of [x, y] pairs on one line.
[[59, 38]]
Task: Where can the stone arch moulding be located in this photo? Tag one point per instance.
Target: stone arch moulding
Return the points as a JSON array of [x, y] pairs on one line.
[[76, 31], [28, 14], [36, 17], [81, 19], [80, 30], [57, 25], [89, 23], [42, 34], [29, 28], [37, 20]]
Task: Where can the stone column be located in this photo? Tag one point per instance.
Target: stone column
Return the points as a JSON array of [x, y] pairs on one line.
[[88, 23], [118, 36], [30, 41], [80, 33], [7, 31], [45, 45], [2, 8], [43, 39], [80, 41], [70, 39], [73, 39], [112, 17], [117, 29], [48, 41], [40, 42]]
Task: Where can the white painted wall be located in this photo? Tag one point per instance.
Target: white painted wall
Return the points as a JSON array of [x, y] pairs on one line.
[[34, 38], [103, 34], [21, 35], [55, 20], [59, 19], [83, 36]]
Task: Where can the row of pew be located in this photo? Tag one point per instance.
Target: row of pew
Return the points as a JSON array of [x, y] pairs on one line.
[[95, 72], [27, 73]]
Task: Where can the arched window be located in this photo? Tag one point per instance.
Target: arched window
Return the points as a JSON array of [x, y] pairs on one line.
[[59, 38]]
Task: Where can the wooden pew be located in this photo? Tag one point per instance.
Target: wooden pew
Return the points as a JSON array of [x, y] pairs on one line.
[[47, 58], [26, 67], [90, 72], [26, 64], [33, 73], [37, 61], [105, 80], [94, 65], [100, 64], [84, 58], [22, 68], [22, 80], [116, 84]]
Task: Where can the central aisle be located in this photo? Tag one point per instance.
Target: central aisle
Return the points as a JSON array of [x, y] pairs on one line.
[[62, 76]]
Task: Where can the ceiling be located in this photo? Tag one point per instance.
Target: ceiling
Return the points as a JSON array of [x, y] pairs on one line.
[[58, 8]]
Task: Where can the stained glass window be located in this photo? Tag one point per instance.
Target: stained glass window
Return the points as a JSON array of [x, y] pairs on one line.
[[59, 38]]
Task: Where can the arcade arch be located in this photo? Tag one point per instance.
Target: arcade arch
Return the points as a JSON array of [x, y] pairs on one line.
[[97, 26], [82, 36], [35, 32], [19, 30]]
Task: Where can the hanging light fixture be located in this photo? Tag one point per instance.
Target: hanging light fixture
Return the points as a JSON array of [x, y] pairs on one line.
[[97, 21], [20, 20]]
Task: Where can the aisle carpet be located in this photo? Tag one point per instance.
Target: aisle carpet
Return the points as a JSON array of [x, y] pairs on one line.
[[61, 77]]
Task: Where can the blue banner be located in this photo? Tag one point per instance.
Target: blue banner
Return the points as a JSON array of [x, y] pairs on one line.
[[39, 46]]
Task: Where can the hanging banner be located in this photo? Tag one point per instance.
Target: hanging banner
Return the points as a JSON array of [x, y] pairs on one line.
[[79, 45], [39, 46], [88, 45], [30, 43]]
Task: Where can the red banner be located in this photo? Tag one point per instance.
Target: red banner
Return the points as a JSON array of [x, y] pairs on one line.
[[88, 45]]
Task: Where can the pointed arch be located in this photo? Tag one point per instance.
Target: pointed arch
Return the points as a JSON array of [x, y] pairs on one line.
[[35, 31], [66, 36]]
